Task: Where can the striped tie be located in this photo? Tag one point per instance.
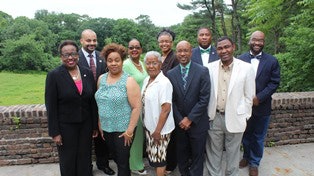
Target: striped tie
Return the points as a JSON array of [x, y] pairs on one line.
[[184, 76], [92, 65]]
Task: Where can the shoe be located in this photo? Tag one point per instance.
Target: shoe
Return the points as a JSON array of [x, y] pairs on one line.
[[253, 171], [139, 172], [107, 170], [243, 163]]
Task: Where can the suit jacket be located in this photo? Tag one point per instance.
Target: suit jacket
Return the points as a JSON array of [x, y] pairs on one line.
[[196, 55], [241, 91], [64, 103], [193, 101], [267, 81], [100, 63]]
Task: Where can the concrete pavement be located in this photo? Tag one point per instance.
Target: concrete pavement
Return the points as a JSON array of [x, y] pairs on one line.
[[288, 160]]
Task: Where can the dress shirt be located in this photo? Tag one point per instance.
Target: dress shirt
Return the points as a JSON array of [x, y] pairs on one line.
[[86, 54], [223, 84], [205, 56], [255, 62]]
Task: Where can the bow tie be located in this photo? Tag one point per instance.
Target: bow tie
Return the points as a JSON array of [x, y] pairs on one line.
[[257, 57], [205, 50]]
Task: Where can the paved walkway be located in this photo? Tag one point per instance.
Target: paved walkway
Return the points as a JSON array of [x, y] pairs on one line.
[[289, 160]]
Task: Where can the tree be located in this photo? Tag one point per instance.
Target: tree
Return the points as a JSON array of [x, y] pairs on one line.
[[23, 54], [297, 61]]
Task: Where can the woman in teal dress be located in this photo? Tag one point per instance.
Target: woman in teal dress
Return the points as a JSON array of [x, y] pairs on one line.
[[135, 68]]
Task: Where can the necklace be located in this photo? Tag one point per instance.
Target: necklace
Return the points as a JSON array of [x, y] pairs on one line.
[[138, 65], [76, 76]]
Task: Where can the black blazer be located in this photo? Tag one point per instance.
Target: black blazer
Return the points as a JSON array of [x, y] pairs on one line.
[[267, 81], [193, 101], [100, 63], [63, 102], [196, 55]]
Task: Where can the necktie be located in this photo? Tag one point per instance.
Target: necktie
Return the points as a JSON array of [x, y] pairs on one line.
[[92, 65], [184, 77], [205, 50]]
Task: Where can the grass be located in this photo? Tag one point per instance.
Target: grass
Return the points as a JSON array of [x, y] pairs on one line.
[[21, 88]]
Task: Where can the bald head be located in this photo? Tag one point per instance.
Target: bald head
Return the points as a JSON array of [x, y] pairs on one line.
[[256, 42], [88, 40], [184, 52]]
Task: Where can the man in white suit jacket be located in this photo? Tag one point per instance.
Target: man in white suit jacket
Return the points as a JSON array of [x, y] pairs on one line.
[[230, 106]]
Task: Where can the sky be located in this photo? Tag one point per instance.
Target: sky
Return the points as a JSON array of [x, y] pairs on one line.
[[162, 13]]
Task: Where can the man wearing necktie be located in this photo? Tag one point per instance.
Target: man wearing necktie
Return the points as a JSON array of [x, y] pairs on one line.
[[191, 89], [90, 58], [267, 78], [205, 52]]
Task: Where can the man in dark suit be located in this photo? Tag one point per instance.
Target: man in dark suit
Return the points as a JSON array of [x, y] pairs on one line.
[[205, 52], [191, 92], [90, 58], [267, 81]]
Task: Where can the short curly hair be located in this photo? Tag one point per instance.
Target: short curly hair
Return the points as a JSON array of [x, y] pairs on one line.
[[168, 32], [114, 47]]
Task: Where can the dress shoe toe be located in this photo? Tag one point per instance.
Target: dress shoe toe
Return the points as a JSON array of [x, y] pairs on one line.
[[243, 163], [253, 171], [108, 171]]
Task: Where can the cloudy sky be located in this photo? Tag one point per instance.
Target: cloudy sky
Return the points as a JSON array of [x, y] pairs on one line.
[[162, 13]]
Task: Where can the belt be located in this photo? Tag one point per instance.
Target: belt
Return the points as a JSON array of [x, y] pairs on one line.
[[220, 112]]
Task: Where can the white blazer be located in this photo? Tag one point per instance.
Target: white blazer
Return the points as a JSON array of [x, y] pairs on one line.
[[241, 91]]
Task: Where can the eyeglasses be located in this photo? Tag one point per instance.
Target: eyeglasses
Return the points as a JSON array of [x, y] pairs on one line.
[[151, 64], [67, 55], [134, 47]]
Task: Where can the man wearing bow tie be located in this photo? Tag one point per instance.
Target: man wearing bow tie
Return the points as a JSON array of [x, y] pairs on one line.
[[267, 78], [89, 57], [205, 52]]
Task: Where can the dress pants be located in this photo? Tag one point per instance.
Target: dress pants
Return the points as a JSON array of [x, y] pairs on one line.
[[75, 153], [218, 136], [101, 152], [190, 152], [171, 157], [253, 139], [121, 153]]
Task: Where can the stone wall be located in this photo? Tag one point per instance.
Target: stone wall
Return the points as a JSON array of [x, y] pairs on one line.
[[24, 138]]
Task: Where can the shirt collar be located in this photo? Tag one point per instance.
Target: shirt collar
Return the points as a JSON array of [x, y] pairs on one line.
[[86, 54]]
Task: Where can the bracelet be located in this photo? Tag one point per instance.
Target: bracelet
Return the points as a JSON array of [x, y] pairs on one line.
[[128, 135]]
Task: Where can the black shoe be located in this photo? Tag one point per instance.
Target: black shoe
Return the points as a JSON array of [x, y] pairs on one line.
[[107, 170]]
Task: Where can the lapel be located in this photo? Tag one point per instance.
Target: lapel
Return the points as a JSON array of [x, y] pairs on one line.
[[189, 78], [83, 60], [179, 81], [215, 72], [262, 63], [68, 79], [234, 74], [98, 64]]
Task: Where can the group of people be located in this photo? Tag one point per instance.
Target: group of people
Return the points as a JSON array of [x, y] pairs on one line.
[[189, 105]]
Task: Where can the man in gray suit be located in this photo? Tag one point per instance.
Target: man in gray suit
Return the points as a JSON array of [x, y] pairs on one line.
[[90, 58]]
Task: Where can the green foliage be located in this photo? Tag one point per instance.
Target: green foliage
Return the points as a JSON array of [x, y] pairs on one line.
[[17, 122], [22, 54], [32, 44], [23, 88]]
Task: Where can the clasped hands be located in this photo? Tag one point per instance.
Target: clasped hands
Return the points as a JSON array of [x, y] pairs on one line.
[[185, 123]]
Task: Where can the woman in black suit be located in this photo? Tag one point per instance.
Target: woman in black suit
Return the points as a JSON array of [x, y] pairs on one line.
[[71, 111]]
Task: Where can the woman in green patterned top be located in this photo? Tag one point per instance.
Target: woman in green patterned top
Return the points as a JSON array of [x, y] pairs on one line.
[[135, 68], [119, 105]]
